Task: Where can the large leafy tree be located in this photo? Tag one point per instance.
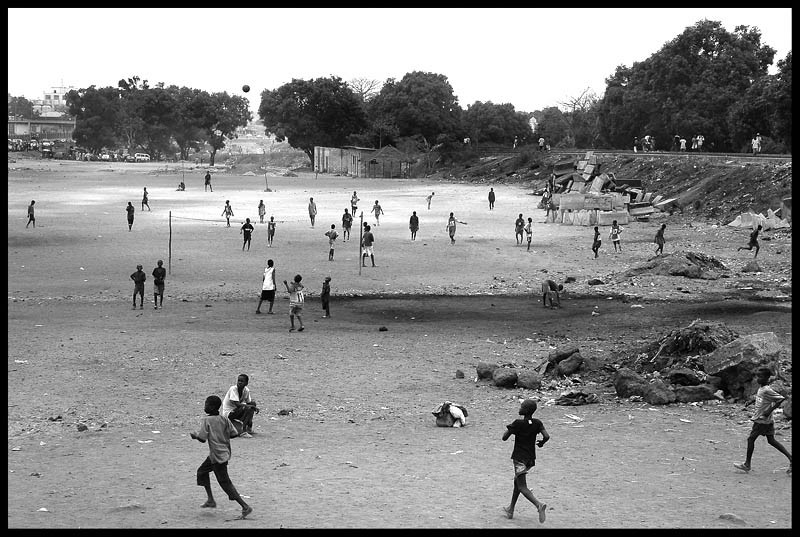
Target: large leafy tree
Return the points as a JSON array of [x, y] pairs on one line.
[[687, 87], [187, 130], [20, 107], [96, 113], [222, 115], [496, 123], [309, 113], [422, 105]]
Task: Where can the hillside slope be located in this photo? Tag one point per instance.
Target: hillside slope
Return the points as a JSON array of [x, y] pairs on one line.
[[705, 187]]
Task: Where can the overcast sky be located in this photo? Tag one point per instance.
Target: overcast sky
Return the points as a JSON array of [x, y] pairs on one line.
[[531, 58]]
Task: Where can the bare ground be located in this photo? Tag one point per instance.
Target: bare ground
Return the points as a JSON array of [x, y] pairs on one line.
[[360, 448]]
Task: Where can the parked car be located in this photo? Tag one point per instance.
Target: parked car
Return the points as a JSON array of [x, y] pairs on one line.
[[129, 158], [33, 145], [141, 157], [105, 156]]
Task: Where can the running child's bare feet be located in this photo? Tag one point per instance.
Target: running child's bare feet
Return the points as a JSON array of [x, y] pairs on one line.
[[245, 511], [509, 512], [542, 513], [209, 503]]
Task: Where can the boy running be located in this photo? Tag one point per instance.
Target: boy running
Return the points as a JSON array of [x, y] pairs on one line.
[[218, 430], [525, 431], [766, 401], [753, 242]]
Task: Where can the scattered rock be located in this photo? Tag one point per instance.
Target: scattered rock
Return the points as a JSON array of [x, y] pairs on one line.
[[504, 377], [752, 266], [382, 329], [485, 370], [595, 281], [570, 365], [733, 518], [562, 354], [459, 374], [688, 394], [529, 379], [683, 376], [736, 362], [628, 383], [82, 427], [659, 393]]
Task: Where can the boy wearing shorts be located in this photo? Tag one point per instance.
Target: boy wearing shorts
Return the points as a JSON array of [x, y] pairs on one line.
[[767, 400], [525, 431], [296, 300], [218, 431]]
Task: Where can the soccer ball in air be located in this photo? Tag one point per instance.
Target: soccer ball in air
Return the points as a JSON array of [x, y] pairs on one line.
[[245, 88]]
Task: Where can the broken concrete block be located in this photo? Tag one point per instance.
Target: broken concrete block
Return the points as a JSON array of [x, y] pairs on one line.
[[736, 362]]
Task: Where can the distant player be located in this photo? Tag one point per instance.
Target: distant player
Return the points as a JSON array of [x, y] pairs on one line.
[[247, 231], [753, 242]]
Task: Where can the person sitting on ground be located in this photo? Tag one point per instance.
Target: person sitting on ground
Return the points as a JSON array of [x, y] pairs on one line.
[[181, 187], [239, 406]]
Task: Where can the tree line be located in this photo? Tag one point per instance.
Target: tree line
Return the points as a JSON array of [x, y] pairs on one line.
[[705, 81]]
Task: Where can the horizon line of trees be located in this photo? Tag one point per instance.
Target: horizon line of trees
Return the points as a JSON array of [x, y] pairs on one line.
[[705, 81]]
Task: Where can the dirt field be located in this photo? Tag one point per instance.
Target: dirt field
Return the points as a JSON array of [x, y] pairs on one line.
[[360, 448]]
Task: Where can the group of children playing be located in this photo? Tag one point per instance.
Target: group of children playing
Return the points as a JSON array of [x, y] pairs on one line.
[[217, 429]]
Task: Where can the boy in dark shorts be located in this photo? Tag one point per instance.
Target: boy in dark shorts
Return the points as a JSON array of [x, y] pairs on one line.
[[766, 401], [325, 297], [525, 431], [159, 275], [138, 278], [596, 242], [218, 430]]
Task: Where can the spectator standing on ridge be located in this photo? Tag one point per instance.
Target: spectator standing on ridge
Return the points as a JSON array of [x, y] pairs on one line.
[[207, 185], [491, 199], [145, 200]]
